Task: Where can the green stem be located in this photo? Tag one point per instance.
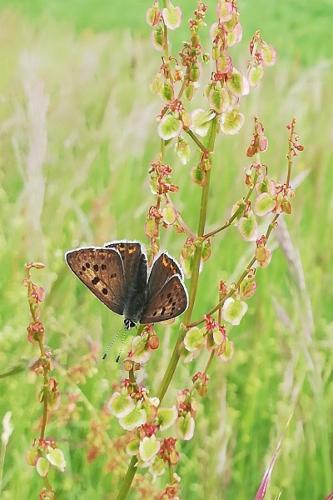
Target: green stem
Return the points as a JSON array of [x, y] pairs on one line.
[[125, 487], [195, 272], [127, 479]]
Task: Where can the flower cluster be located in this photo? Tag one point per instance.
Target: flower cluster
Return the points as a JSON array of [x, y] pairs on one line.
[[142, 346], [141, 414], [44, 454], [212, 335], [182, 126], [262, 54]]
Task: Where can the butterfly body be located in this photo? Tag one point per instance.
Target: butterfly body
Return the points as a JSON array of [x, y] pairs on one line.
[[117, 274]]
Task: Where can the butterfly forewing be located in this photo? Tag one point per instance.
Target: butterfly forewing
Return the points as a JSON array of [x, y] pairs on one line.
[[163, 268], [132, 257], [101, 270], [168, 303]]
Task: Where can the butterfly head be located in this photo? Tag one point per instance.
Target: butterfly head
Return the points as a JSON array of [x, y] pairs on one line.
[[129, 323]]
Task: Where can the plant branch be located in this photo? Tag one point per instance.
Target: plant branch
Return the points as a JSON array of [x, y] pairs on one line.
[[195, 272], [196, 140], [236, 214]]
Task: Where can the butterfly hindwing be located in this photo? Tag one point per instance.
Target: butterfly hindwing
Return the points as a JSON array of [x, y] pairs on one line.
[[163, 268], [101, 270], [170, 301]]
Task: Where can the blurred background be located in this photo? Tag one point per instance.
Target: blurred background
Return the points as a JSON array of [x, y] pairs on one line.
[[77, 133]]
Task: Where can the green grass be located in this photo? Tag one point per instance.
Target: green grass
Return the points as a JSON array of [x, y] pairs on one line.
[[96, 64]]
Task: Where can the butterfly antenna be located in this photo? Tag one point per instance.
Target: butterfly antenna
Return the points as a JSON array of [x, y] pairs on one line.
[[122, 340], [109, 347]]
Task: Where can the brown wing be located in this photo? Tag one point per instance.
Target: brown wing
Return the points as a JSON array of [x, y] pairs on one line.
[[131, 255], [168, 303], [163, 268], [101, 270]]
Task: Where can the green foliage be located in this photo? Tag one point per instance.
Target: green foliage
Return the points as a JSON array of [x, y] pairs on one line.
[[99, 143]]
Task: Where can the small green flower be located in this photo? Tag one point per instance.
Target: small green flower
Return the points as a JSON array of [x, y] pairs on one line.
[[183, 150], [255, 75], [194, 339], [219, 99], [157, 84], [233, 310], [169, 214], [217, 336], [224, 11], [248, 287], [120, 404], [148, 448], [140, 353], [200, 121], [166, 417], [134, 419], [235, 35], [227, 352], [169, 127], [172, 16], [264, 204], [268, 54], [157, 468], [42, 466], [157, 37], [238, 84], [56, 458], [133, 447], [247, 226], [232, 122], [185, 427]]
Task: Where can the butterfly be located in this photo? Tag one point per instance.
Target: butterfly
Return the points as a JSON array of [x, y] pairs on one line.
[[117, 274]]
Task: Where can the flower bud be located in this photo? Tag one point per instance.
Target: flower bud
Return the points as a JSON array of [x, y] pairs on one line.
[[194, 73], [153, 342], [183, 150], [263, 256], [198, 175], [167, 91], [157, 38], [153, 15], [189, 91]]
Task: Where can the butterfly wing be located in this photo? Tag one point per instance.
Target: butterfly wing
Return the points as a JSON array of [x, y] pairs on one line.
[[134, 261], [170, 301], [101, 270], [163, 268]]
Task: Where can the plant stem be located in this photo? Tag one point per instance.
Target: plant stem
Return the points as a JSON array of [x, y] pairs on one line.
[[195, 272], [196, 140], [127, 479], [125, 487]]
